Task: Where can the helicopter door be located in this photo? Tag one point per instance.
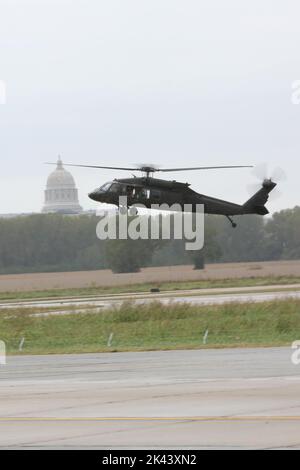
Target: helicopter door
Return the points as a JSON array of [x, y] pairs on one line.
[[140, 194], [130, 191], [156, 195]]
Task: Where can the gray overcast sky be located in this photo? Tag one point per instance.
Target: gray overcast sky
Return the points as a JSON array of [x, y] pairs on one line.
[[176, 82]]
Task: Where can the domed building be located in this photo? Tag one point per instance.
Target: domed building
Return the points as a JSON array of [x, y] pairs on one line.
[[61, 194]]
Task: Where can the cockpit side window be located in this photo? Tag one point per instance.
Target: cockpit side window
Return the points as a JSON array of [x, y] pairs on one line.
[[115, 188]]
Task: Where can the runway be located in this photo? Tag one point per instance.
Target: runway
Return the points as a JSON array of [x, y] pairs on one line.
[[241, 398]]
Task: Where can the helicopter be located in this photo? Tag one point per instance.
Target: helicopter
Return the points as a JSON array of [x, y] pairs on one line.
[[148, 191]]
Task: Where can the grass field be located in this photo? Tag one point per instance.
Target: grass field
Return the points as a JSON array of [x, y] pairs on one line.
[[151, 327], [164, 286]]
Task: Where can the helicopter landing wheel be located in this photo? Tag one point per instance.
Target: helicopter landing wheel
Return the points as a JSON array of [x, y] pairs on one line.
[[233, 224], [123, 210], [133, 211]]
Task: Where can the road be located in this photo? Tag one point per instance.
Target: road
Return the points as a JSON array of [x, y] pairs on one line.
[[195, 297], [241, 398]]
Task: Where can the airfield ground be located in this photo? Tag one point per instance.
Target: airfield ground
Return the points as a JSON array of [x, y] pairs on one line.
[[70, 319], [198, 397]]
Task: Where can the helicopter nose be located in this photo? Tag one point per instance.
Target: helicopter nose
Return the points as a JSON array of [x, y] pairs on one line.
[[93, 195]]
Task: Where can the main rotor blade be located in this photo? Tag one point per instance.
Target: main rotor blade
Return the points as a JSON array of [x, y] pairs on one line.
[[152, 169], [95, 166], [203, 168]]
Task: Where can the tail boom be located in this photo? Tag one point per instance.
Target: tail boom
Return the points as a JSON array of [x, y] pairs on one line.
[[256, 204]]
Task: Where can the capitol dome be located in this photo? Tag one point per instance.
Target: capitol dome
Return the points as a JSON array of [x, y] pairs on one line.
[[61, 194]]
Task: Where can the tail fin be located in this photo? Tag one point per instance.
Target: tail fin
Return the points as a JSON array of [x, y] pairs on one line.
[[256, 204]]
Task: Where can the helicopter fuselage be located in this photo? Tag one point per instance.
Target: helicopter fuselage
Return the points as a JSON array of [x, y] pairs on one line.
[[149, 192]]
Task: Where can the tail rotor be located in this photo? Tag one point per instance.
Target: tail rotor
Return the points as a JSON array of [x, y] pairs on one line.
[[261, 172]]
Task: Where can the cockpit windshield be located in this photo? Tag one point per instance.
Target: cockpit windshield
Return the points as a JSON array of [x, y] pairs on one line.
[[105, 187]]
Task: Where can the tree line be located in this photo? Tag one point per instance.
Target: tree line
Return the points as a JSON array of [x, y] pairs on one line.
[[53, 242]]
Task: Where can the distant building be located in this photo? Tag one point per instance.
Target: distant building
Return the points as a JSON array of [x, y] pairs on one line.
[[61, 194]]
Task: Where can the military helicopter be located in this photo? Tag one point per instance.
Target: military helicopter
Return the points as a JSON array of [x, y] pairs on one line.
[[147, 191]]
